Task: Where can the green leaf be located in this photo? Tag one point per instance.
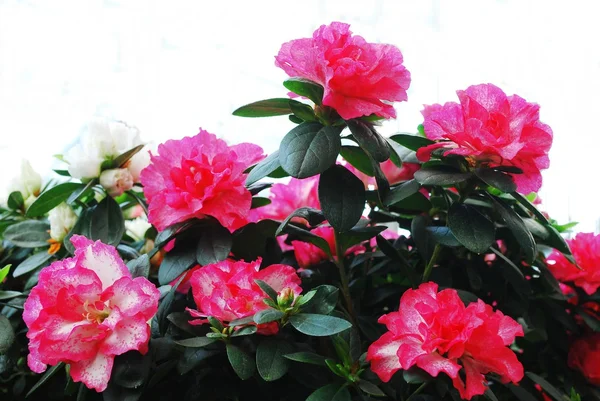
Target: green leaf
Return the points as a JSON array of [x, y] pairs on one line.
[[530, 206], [556, 241], [443, 235], [64, 173], [359, 234], [9, 294], [267, 289], [520, 392], [4, 272], [196, 342], [270, 359], [412, 142], [15, 200], [47, 375], [388, 249], [357, 158], [266, 108], [309, 149], [592, 322], [440, 175], [106, 222], [307, 236], [51, 198], [342, 197], [318, 325], [131, 369], [264, 168], [31, 263], [256, 240], [259, 201], [496, 179], [181, 258], [81, 227], [330, 392], [323, 301], [303, 111], [241, 362], [170, 232], [7, 334], [28, 234], [306, 357], [516, 225], [370, 388], [214, 245], [192, 357], [306, 88], [164, 308], [312, 216], [119, 161], [244, 331], [471, 228], [369, 140], [79, 193], [139, 267], [401, 192], [267, 316], [548, 388]]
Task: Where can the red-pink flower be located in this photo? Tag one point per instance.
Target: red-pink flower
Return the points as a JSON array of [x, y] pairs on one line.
[[308, 254], [227, 290], [493, 129], [286, 198], [199, 176], [87, 309], [359, 78], [584, 355], [435, 331], [586, 252]]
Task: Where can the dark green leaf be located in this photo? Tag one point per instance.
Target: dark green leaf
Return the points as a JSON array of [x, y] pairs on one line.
[[257, 240], [258, 201], [164, 308], [330, 392], [402, 192], [471, 228], [496, 179], [241, 362], [244, 331], [78, 193], [548, 388], [309, 149], [196, 342], [7, 334], [268, 315], [323, 301], [523, 201], [178, 260], [123, 158], [47, 375], [440, 175], [536, 228], [266, 108], [28, 234], [412, 142], [303, 111], [592, 321], [342, 197], [139, 267], [264, 168], [517, 227], [306, 357], [370, 388], [358, 158], [443, 235], [306, 88], [214, 245], [369, 140], [312, 216], [131, 369], [15, 200], [267, 289], [556, 241], [416, 202], [359, 234], [307, 236], [270, 359], [521, 393], [192, 357], [9, 294], [31, 263], [388, 249], [318, 325], [106, 222]]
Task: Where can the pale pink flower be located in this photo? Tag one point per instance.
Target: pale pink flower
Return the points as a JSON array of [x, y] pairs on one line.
[[199, 176], [87, 309], [286, 198], [359, 78]]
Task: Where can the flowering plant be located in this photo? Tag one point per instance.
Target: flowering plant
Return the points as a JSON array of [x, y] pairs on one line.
[[409, 267]]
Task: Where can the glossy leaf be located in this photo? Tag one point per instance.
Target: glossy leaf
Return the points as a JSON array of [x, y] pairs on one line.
[[270, 359], [267, 166], [342, 197], [306, 88], [318, 325], [471, 228], [369, 140], [28, 234]]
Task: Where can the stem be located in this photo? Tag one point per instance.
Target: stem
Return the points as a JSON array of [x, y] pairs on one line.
[[436, 253], [339, 262], [417, 391]]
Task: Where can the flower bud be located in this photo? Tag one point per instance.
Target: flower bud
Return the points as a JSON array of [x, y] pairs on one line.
[[62, 219], [285, 298], [116, 181], [28, 182], [137, 228]]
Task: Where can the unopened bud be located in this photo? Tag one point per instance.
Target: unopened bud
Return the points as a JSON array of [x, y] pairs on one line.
[[285, 298], [116, 181]]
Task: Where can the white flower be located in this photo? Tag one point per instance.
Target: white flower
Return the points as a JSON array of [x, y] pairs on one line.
[[62, 219], [28, 182], [103, 140], [138, 162], [116, 181], [137, 228]]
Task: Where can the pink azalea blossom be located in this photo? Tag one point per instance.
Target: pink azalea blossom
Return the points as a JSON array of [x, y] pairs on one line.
[[227, 290], [435, 331], [492, 129], [308, 254], [586, 252], [87, 309], [286, 198], [359, 78], [199, 176]]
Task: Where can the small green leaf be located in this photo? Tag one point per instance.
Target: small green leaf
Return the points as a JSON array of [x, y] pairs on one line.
[[306, 357], [267, 289], [318, 325], [357, 158], [306, 88], [106, 222], [214, 245], [342, 197], [369, 140], [440, 175], [401, 192], [471, 228], [264, 168], [4, 272], [496, 179], [241, 362], [196, 342], [244, 331], [270, 359], [31, 263], [15, 200], [51, 198], [309, 149], [266, 108], [303, 111], [412, 142], [28, 234], [119, 161]]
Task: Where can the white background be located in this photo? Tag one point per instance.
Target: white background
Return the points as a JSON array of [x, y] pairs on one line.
[[170, 67]]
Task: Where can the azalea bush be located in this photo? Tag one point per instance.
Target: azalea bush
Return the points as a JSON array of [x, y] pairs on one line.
[[346, 265]]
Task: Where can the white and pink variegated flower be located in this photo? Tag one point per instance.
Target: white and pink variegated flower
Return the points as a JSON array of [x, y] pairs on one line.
[[87, 309]]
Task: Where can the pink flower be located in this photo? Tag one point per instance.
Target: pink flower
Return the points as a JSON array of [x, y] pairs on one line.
[[584, 355], [493, 129], [435, 331], [196, 177], [227, 290], [308, 254], [359, 78], [87, 309], [393, 173], [286, 198], [586, 251]]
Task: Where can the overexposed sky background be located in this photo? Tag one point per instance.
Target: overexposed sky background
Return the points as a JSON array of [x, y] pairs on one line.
[[170, 67]]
